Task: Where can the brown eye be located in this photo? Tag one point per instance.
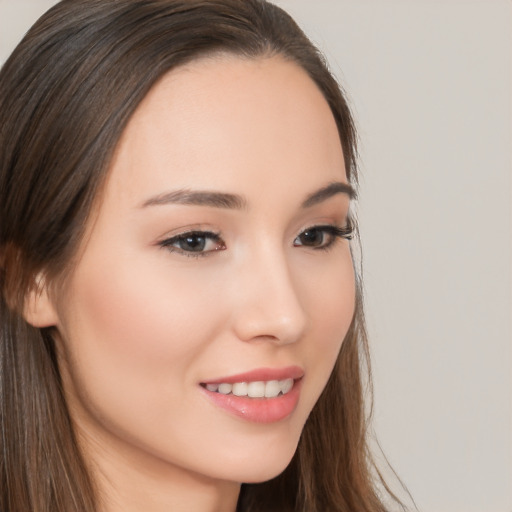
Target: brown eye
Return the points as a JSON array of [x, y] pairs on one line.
[[194, 243], [313, 237], [322, 237]]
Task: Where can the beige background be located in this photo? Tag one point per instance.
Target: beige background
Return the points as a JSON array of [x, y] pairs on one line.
[[430, 82]]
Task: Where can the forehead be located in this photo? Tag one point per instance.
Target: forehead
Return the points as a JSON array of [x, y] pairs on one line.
[[223, 118]]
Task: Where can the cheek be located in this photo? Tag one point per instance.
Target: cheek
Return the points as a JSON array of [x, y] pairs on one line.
[[138, 310], [131, 335], [330, 296]]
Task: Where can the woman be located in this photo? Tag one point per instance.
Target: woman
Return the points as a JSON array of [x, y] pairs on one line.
[[181, 323]]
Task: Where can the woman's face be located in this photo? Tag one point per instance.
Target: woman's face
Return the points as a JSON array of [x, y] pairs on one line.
[[217, 256]]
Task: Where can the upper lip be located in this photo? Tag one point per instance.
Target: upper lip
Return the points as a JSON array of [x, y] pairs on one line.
[[261, 374]]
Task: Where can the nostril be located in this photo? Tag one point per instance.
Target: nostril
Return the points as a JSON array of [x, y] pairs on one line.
[[261, 327]]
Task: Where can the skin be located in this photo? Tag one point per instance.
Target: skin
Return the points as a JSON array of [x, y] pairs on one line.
[[140, 326]]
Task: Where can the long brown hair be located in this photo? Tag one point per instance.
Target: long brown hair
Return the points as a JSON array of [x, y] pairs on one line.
[[66, 95]]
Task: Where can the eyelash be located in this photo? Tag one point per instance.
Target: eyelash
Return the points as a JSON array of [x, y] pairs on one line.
[[334, 232]]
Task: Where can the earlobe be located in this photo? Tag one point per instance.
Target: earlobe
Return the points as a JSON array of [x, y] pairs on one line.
[[38, 308]]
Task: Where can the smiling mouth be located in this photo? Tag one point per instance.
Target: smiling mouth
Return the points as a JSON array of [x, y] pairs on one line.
[[262, 395], [255, 389]]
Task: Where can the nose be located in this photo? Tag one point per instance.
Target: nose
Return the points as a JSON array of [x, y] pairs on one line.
[[267, 303]]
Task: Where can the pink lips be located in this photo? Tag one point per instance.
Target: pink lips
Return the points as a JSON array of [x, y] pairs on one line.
[[259, 410]]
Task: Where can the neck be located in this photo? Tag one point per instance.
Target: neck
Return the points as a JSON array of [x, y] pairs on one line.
[[134, 482], [144, 493]]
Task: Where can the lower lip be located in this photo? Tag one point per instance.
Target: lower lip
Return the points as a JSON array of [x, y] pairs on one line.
[[258, 410]]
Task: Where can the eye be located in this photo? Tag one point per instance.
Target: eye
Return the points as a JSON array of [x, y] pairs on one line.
[[194, 243], [322, 237]]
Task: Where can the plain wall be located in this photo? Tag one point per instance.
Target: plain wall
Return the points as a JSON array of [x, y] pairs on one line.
[[430, 83]]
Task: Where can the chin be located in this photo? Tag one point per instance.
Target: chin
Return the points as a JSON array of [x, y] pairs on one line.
[[266, 465], [266, 474]]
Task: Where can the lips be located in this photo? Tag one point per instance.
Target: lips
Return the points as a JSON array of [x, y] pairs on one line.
[[264, 395], [262, 374]]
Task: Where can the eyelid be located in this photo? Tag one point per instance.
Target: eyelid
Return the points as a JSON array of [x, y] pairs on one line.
[[345, 230]]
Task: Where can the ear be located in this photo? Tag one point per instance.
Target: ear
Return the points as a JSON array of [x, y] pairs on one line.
[[38, 308]]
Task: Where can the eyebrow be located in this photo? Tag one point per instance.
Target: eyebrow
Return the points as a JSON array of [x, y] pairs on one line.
[[199, 198], [337, 187], [237, 202]]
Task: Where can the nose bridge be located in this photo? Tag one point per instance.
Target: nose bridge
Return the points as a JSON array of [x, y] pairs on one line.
[[268, 303]]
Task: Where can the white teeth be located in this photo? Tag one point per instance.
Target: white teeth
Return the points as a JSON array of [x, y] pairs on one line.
[[257, 389], [240, 389], [272, 388], [225, 389], [286, 385]]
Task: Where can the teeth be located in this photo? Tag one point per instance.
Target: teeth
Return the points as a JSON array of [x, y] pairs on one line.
[[258, 389], [272, 388], [286, 385], [240, 389], [225, 389]]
